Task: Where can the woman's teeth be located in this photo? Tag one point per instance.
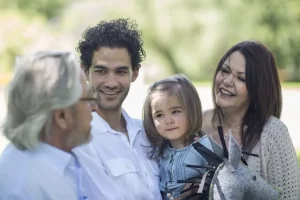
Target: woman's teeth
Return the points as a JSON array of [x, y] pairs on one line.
[[225, 92]]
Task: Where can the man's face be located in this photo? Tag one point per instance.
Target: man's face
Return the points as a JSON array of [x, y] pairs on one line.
[[110, 75]]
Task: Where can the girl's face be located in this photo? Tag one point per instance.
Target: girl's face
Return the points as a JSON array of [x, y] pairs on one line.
[[170, 118]]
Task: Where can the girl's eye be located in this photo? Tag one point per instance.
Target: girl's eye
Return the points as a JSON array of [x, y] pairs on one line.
[[176, 111], [158, 115]]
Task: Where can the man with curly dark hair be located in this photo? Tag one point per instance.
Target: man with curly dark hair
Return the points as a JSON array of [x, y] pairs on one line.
[[116, 159]]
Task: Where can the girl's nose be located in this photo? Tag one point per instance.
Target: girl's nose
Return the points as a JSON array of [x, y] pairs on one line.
[[169, 120]]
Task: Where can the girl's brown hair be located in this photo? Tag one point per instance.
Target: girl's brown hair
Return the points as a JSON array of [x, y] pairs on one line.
[[181, 87]]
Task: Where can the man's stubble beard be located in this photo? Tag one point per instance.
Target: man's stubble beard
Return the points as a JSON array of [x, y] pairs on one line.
[[76, 138], [117, 106]]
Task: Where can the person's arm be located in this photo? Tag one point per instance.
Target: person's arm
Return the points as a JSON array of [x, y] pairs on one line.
[[282, 168]]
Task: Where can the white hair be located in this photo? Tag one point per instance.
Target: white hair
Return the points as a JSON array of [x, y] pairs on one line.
[[42, 83]]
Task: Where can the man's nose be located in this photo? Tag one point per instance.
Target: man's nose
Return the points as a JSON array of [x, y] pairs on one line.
[[111, 80]]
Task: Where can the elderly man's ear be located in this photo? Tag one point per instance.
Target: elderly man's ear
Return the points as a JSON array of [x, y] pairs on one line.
[[61, 119]]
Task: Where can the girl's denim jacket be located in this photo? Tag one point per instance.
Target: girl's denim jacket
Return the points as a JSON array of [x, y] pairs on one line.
[[173, 167]]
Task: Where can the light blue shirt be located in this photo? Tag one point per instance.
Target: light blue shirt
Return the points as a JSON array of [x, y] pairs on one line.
[[46, 173], [173, 167], [120, 169]]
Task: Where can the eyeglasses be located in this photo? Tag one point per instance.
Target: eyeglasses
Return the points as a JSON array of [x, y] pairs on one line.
[[92, 96]]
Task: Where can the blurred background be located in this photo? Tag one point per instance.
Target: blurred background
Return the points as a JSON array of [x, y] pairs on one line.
[[186, 36]]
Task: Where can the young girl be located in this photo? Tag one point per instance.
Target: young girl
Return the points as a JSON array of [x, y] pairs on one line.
[[172, 120]]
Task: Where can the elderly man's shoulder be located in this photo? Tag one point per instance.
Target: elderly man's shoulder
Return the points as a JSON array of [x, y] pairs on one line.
[[20, 166], [13, 168], [14, 161], [23, 176]]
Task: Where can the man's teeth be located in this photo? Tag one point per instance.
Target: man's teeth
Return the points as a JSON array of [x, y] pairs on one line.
[[109, 92], [226, 92]]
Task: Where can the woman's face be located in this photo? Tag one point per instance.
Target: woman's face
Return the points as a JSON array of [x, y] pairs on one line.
[[230, 84]]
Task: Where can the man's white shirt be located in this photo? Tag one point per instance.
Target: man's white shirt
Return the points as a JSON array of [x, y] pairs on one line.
[[118, 168]]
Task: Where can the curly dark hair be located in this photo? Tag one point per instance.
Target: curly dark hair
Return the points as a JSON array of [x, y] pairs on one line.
[[114, 33]]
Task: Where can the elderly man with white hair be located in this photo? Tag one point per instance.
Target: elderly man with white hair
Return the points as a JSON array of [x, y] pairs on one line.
[[48, 114]]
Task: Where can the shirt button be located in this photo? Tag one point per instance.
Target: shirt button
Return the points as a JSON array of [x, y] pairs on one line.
[[146, 174], [127, 167]]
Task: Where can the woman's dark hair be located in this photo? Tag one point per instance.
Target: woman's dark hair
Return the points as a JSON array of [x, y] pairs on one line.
[[263, 85], [121, 33]]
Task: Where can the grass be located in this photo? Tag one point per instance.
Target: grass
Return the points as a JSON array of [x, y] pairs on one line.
[[293, 85], [298, 156]]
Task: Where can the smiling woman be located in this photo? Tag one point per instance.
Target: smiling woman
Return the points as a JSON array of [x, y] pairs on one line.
[[247, 99]]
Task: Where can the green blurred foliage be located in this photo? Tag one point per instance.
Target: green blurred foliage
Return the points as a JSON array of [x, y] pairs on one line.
[[190, 36], [187, 36], [46, 8], [22, 23], [18, 31]]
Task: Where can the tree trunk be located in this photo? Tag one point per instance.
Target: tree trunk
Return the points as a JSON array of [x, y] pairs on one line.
[[166, 53]]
